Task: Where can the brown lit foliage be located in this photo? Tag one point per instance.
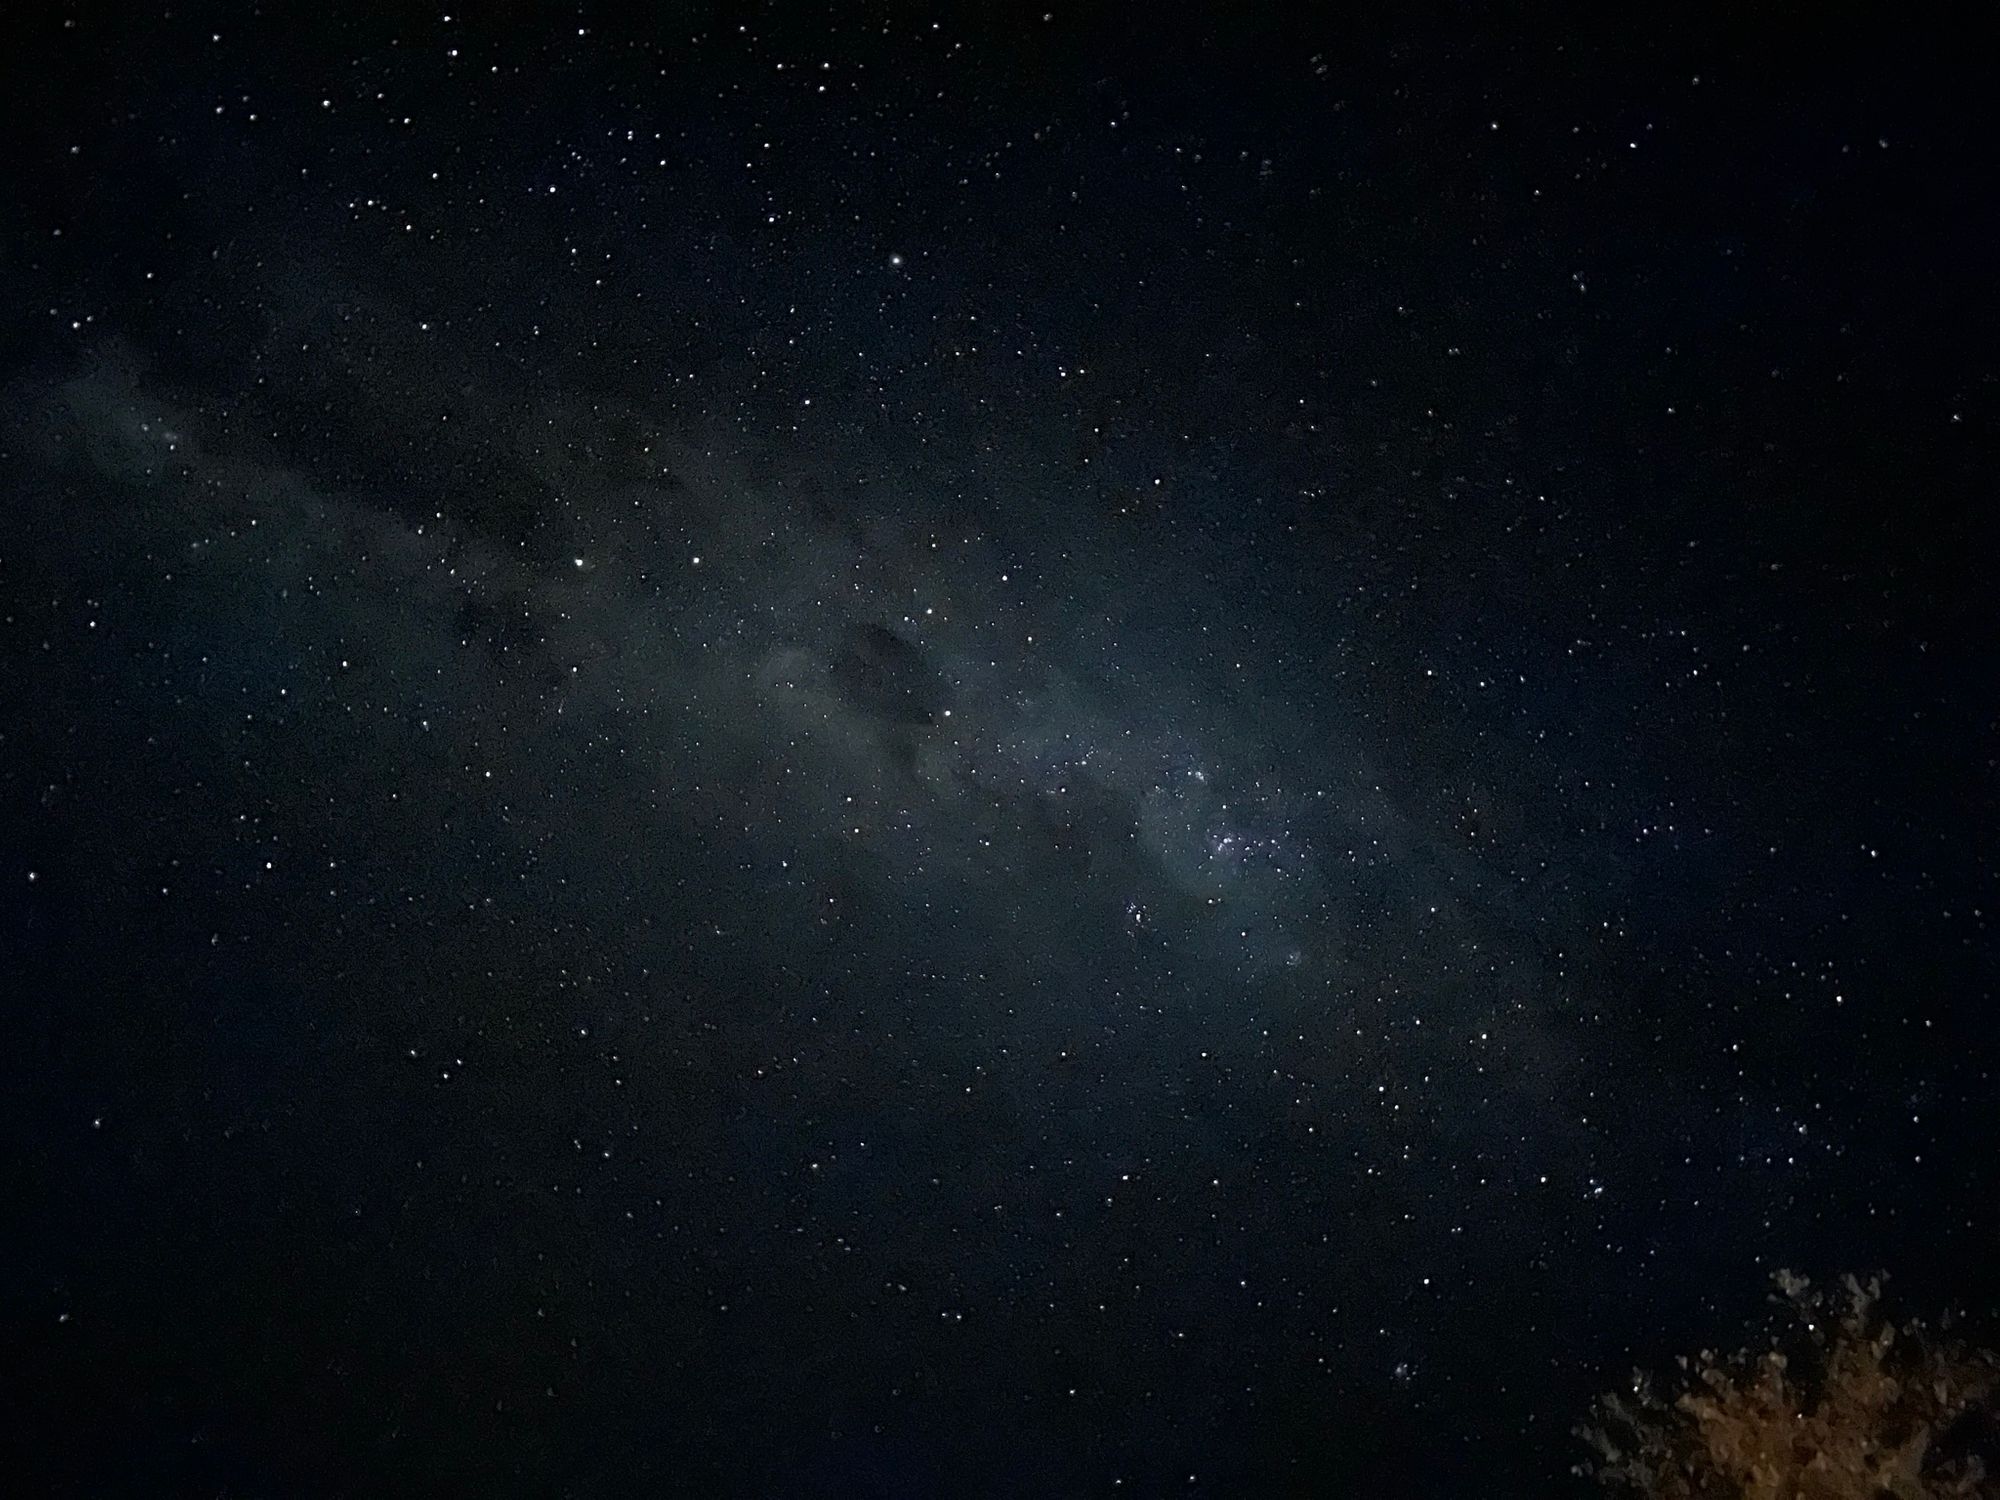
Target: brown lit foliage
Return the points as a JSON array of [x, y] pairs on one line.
[[1843, 1405]]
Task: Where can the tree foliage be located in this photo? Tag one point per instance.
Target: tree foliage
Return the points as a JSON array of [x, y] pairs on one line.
[[1843, 1404]]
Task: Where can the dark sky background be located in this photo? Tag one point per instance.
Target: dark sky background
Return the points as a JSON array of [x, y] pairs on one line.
[[884, 751]]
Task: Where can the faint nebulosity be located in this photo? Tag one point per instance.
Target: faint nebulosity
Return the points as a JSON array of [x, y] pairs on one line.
[[902, 752]]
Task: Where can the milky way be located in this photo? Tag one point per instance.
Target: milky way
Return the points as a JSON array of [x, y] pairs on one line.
[[758, 756]]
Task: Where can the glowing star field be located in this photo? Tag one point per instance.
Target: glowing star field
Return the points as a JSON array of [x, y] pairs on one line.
[[906, 752]]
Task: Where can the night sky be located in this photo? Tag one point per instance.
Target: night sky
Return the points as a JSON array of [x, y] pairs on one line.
[[804, 750]]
